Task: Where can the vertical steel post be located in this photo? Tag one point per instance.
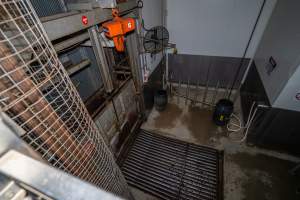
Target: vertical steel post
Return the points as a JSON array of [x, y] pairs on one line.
[[187, 91], [206, 85], [215, 93], [101, 59], [132, 47], [197, 90], [134, 57], [178, 91]]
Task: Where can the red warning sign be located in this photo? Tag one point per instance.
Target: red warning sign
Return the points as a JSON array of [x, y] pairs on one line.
[[84, 20]]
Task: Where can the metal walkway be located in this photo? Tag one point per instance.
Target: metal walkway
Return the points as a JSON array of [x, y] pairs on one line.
[[172, 169]]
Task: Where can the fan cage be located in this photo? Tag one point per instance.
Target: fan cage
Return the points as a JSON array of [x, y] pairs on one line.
[[156, 39], [36, 92]]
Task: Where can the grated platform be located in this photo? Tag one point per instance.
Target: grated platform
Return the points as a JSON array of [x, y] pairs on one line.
[[173, 169]]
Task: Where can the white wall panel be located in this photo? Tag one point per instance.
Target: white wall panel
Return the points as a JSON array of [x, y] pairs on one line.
[[215, 27], [281, 40]]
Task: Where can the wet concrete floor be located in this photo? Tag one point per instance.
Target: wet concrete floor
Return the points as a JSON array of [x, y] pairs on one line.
[[250, 173]]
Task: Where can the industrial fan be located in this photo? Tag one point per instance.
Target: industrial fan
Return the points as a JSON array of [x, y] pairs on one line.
[[156, 39]]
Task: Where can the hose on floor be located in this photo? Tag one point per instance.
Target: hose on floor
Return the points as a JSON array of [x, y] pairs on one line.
[[236, 127]]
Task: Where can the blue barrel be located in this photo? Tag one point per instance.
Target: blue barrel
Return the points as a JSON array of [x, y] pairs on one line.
[[223, 111]]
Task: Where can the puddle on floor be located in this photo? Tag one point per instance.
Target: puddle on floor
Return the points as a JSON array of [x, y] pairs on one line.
[[168, 118]]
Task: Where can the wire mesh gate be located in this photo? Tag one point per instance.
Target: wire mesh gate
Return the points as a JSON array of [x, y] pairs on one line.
[[38, 95]]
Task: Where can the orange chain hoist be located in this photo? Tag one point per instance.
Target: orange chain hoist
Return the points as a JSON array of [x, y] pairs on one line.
[[117, 28]]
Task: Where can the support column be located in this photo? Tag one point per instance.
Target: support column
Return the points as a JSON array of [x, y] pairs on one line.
[[132, 46], [101, 59]]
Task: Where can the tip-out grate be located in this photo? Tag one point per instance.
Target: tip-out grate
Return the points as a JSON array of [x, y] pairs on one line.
[[172, 169]]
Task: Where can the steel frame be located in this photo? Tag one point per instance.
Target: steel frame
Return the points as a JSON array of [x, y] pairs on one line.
[[132, 46], [69, 24], [101, 59]]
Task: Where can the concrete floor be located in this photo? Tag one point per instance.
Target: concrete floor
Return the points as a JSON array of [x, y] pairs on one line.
[[249, 172]]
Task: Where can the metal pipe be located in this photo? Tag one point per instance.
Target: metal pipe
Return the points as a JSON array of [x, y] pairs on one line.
[[168, 163], [176, 148], [226, 90], [215, 93], [209, 167], [197, 90], [203, 160], [178, 89], [246, 49], [171, 158], [171, 181], [187, 91], [207, 160], [172, 169], [202, 102], [171, 140], [163, 184], [165, 170], [149, 186]]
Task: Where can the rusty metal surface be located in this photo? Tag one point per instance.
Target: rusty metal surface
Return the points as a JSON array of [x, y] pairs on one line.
[[172, 169]]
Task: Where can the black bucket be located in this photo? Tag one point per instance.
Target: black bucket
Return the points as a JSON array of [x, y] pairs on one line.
[[161, 100], [223, 111]]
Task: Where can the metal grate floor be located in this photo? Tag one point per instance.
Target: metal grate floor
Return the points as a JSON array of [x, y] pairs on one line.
[[172, 169]]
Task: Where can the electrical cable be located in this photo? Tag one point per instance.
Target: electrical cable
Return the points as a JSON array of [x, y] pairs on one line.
[[143, 25], [239, 126]]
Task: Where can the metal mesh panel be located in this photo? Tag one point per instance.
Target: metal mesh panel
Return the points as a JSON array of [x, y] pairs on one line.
[[45, 8], [36, 92]]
